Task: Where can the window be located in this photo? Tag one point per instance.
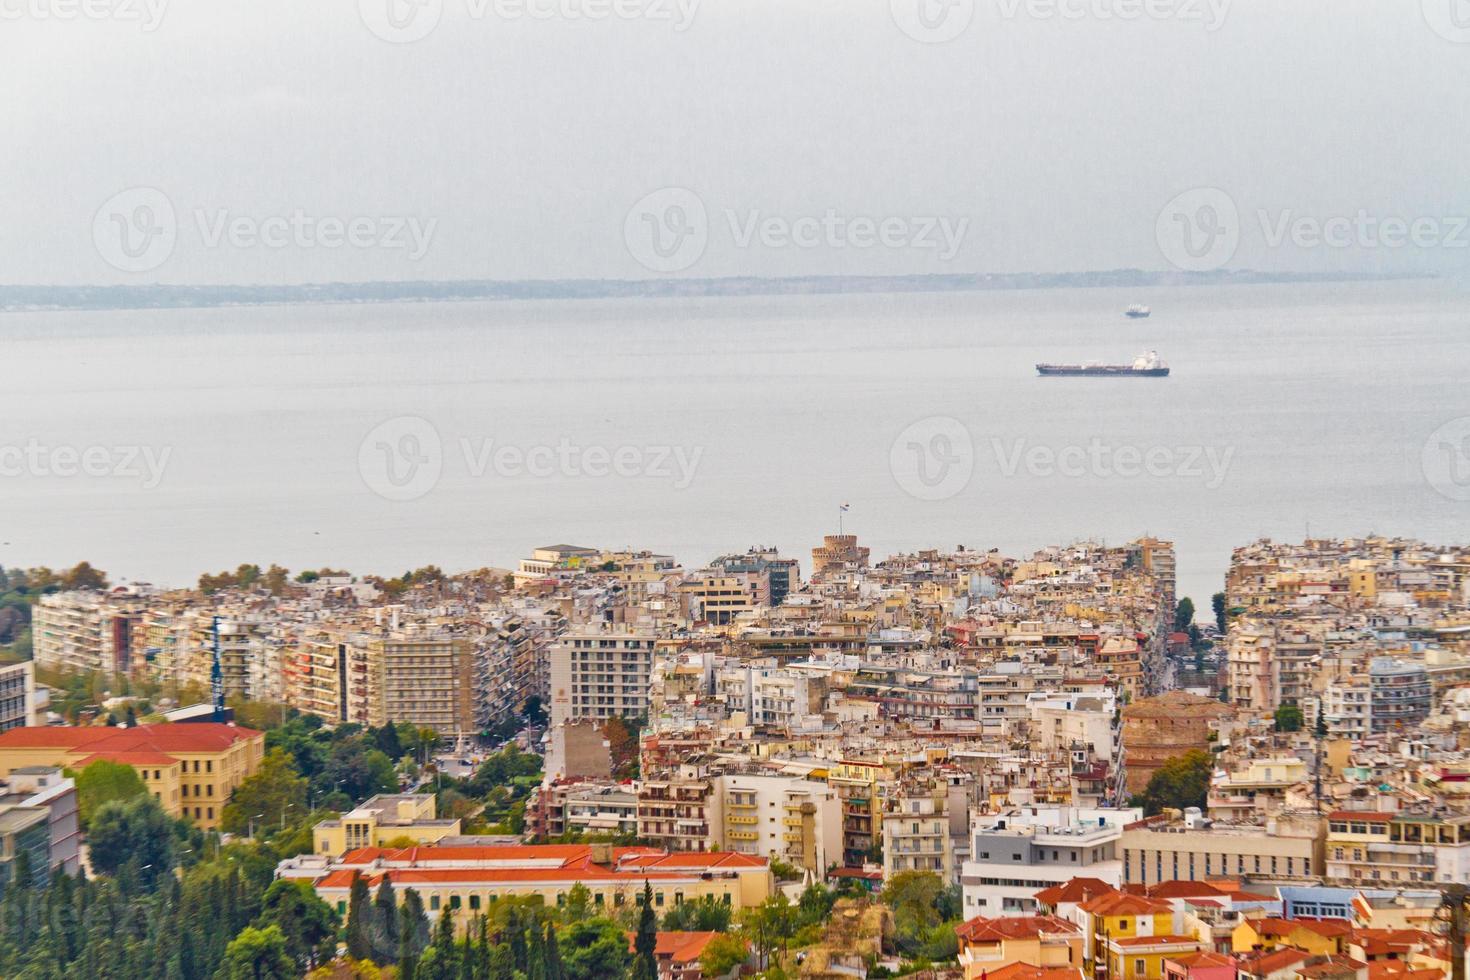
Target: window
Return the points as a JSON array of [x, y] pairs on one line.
[[434, 903], [474, 901], [454, 901], [1140, 967]]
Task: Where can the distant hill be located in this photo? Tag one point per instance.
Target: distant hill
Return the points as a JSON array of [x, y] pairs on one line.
[[160, 296]]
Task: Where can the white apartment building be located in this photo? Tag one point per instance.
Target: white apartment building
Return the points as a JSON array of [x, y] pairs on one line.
[[18, 696], [1015, 855], [916, 833], [787, 817], [80, 632], [774, 696], [601, 671]]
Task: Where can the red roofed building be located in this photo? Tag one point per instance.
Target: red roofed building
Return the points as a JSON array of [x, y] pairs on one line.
[[190, 769], [1038, 941], [1203, 965], [678, 953], [469, 879]]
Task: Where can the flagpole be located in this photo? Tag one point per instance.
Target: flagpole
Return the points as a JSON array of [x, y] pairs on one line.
[[839, 521]]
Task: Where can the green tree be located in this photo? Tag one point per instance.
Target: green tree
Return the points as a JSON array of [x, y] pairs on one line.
[[723, 954], [914, 897], [645, 966], [1180, 783], [257, 954], [385, 923], [135, 832], [359, 920], [1184, 614], [105, 781], [704, 915], [593, 949], [411, 934], [1218, 602], [1289, 718], [275, 792], [554, 968], [308, 924]]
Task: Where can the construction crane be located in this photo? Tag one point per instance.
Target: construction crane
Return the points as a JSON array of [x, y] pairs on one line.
[[1454, 912], [217, 676]]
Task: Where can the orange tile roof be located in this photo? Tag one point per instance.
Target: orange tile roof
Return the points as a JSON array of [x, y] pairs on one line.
[[106, 740], [1326, 928], [1117, 903], [1261, 964], [983, 930], [1202, 957], [1075, 891], [681, 947], [1129, 942], [1025, 971]]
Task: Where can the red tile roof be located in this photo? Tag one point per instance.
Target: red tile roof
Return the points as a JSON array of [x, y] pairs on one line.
[[104, 740], [1075, 891], [680, 947], [983, 930], [1025, 971], [1117, 903]]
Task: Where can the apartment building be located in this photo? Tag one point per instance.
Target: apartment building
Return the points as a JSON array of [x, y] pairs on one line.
[[676, 810], [1368, 849], [787, 817], [1014, 856], [18, 695], [600, 672], [1400, 693], [718, 596], [48, 788], [25, 830], [861, 787], [782, 574], [916, 831], [83, 632]]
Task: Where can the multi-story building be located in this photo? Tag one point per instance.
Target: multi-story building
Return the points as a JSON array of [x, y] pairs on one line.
[[861, 787], [719, 596], [385, 821], [782, 574], [83, 632], [916, 831], [466, 880], [676, 810], [1286, 849], [601, 672], [47, 787], [25, 830], [1401, 694], [18, 695], [796, 820], [1014, 856], [190, 769], [1368, 849]]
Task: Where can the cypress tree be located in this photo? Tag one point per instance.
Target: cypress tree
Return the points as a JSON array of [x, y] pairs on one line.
[[535, 954], [408, 930], [386, 921], [502, 964], [359, 915], [645, 967], [554, 969], [517, 941]]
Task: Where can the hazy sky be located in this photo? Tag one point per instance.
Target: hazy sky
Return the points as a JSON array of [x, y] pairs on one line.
[[305, 140]]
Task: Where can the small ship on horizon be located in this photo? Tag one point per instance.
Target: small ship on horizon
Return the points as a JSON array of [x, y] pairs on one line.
[[1146, 365], [1137, 312]]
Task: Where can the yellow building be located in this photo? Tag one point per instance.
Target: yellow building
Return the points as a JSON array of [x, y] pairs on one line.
[[1035, 940], [862, 787], [384, 821], [1319, 937], [1131, 936], [191, 769], [469, 880]]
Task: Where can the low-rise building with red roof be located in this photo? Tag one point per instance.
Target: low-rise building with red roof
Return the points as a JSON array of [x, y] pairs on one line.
[[1043, 941]]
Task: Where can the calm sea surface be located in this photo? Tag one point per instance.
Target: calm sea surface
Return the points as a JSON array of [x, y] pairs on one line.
[[716, 424]]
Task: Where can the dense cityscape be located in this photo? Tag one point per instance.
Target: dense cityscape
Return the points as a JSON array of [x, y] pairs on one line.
[[600, 763]]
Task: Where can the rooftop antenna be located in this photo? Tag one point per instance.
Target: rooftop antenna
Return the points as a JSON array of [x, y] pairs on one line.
[[217, 676]]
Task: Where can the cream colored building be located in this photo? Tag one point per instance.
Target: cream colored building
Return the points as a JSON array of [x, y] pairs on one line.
[[796, 820], [600, 672], [1285, 849], [384, 821], [916, 833]]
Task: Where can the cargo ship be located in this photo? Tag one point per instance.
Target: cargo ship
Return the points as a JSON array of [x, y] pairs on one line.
[[1136, 312], [1147, 365]]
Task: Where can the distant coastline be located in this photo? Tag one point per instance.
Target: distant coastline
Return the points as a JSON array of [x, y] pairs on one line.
[[160, 296]]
